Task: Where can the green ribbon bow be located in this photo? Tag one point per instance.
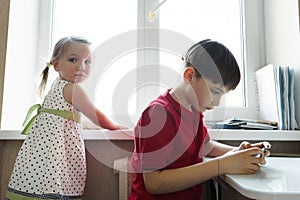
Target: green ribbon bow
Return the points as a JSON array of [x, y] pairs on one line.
[[62, 113]]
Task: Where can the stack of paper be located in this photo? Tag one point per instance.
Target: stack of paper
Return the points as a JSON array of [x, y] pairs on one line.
[[236, 123], [275, 86]]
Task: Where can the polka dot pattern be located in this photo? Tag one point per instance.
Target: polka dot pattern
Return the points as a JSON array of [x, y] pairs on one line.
[[52, 157]]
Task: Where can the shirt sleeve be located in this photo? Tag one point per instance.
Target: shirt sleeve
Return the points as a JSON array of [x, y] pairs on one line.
[[206, 135], [155, 132]]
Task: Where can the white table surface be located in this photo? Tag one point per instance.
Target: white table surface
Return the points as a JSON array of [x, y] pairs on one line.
[[215, 134], [279, 179]]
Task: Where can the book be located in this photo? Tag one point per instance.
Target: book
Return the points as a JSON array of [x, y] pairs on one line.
[[275, 90], [259, 126], [268, 88], [236, 123], [292, 116]]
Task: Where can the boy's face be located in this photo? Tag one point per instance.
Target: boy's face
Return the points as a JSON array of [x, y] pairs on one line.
[[203, 94]]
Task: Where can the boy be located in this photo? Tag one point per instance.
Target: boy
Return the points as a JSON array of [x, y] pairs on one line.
[[171, 138]]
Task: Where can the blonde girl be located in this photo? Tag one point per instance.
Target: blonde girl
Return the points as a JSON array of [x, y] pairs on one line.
[[51, 162]]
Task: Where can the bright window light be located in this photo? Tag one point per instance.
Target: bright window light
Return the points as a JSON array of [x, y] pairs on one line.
[[99, 22], [201, 19], [195, 19]]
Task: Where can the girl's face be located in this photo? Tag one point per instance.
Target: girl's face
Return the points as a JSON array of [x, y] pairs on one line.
[[203, 94], [74, 64]]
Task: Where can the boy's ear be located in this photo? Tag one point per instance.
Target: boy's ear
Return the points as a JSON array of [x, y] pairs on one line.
[[188, 74]]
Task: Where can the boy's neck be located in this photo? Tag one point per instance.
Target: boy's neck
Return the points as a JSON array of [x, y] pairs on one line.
[[178, 95]]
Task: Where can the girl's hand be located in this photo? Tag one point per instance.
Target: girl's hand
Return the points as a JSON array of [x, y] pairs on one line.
[[241, 162], [90, 126], [121, 127]]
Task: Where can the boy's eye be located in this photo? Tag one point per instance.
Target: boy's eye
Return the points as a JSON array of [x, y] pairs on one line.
[[215, 92], [73, 60]]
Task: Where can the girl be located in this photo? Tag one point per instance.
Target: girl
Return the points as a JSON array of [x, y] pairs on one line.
[[51, 162], [171, 138]]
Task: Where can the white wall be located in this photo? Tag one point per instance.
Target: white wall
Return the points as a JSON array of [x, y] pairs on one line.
[[283, 38]]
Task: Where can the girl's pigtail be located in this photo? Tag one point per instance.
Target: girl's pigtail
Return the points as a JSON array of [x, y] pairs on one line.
[[43, 83]]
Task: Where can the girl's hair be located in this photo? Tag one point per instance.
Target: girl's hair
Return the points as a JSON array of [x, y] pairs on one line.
[[59, 48], [214, 61]]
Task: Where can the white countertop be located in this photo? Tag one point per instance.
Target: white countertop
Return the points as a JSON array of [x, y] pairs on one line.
[[216, 134], [279, 179], [87, 134]]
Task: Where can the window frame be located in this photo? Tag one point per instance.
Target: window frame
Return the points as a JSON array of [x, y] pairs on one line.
[[253, 57], [254, 52], [4, 10]]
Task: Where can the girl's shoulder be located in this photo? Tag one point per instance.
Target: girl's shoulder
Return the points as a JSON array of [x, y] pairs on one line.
[[58, 82], [61, 81], [58, 87]]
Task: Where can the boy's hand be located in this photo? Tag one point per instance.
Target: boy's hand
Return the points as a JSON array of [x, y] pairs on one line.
[[241, 162], [265, 146], [244, 145]]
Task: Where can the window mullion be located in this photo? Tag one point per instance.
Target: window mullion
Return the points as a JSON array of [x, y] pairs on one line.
[[45, 30], [148, 53]]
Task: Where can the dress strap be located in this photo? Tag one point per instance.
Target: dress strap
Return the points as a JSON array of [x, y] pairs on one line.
[[61, 113]]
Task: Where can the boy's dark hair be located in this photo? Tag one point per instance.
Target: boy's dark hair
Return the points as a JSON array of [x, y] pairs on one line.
[[214, 61]]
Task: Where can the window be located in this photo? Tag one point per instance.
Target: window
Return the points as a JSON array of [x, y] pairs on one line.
[[109, 23], [220, 20], [201, 19], [104, 23]]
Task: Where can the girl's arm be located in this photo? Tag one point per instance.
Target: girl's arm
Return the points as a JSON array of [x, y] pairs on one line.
[[76, 96], [172, 180]]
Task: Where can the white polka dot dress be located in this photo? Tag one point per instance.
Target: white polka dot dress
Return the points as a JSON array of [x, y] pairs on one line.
[[51, 162]]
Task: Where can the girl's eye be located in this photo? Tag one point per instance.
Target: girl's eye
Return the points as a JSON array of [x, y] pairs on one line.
[[87, 62], [73, 60]]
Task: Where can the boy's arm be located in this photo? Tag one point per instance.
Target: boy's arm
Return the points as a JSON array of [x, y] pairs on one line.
[[215, 149], [172, 180]]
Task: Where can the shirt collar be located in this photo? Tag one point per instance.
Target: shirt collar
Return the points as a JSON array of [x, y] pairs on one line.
[[180, 108]]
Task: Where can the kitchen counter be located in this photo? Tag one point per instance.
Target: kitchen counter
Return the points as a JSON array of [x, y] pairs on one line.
[[103, 147], [279, 179]]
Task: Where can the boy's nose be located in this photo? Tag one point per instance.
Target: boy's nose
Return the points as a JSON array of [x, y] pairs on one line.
[[216, 101]]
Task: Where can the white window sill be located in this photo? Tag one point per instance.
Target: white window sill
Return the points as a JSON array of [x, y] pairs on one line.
[[258, 135], [87, 134], [215, 134]]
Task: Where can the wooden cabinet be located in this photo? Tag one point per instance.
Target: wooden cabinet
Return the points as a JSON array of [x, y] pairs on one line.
[[102, 181]]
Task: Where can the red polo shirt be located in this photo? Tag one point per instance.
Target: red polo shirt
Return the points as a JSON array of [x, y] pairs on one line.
[[167, 136]]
